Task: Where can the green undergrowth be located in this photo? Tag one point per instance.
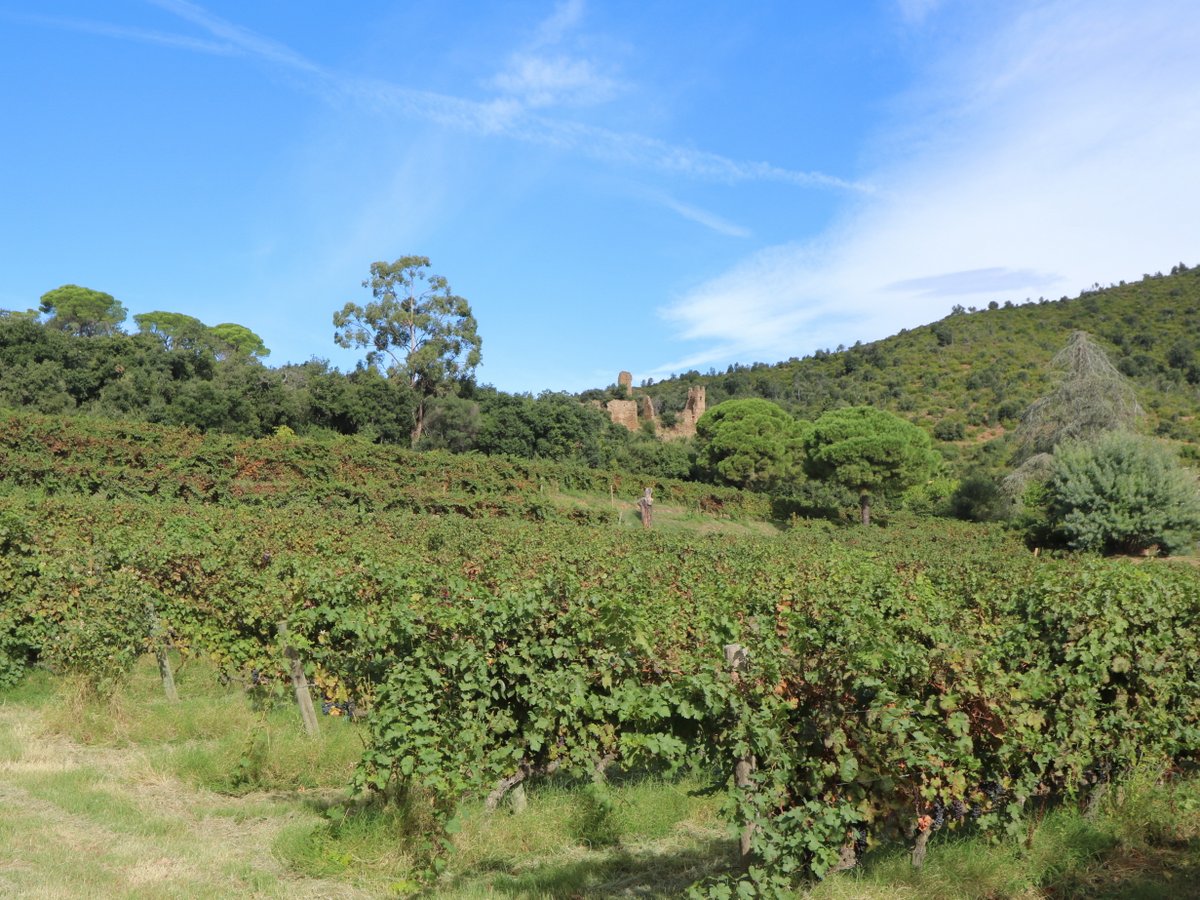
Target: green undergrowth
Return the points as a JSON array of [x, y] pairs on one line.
[[217, 736], [638, 835], [672, 518], [641, 835], [1142, 841]]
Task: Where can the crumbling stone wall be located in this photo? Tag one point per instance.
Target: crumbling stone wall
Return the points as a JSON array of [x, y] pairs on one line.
[[631, 413], [624, 413], [685, 419]]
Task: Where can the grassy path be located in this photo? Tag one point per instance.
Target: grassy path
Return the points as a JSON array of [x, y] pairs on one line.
[[80, 821]]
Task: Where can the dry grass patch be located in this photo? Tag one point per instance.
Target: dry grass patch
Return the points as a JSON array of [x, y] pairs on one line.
[[111, 821]]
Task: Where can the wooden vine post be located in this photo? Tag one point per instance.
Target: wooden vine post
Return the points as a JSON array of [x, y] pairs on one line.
[[159, 641], [736, 657], [299, 682], [165, 673]]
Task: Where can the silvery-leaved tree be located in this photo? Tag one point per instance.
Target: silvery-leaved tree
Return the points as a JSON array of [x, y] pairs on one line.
[[416, 328], [1090, 398]]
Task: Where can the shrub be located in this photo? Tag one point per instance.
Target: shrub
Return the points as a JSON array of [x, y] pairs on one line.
[[978, 498], [1123, 493], [950, 430]]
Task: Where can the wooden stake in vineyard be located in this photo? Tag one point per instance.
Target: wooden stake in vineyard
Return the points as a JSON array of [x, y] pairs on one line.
[[158, 639], [299, 682], [736, 657]]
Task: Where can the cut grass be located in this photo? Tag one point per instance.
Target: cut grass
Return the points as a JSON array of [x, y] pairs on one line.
[[84, 793], [215, 737], [98, 822]]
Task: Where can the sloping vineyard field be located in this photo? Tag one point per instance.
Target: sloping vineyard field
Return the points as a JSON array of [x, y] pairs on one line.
[[892, 683], [123, 460]]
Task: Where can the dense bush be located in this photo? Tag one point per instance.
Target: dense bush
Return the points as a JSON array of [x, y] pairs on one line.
[[1123, 494], [978, 498], [18, 647]]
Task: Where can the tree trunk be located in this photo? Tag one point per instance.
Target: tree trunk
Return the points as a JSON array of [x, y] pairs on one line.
[[864, 505], [503, 787], [419, 423], [736, 657], [847, 860], [918, 851], [646, 506], [1094, 799], [515, 781]]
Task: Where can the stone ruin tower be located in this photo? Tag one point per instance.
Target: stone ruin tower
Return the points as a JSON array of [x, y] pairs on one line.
[[632, 411], [624, 412]]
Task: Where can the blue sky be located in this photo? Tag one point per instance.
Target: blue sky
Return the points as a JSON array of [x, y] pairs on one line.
[[651, 186]]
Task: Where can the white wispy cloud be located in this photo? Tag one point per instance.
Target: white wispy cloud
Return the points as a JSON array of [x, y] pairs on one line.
[[543, 74], [509, 118], [702, 217], [122, 32], [541, 81], [566, 17], [253, 44], [972, 281], [1053, 153], [506, 116]]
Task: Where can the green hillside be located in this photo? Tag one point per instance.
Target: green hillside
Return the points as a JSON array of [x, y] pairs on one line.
[[970, 375]]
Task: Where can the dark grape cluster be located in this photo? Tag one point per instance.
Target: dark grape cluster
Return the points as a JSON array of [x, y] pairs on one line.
[[937, 812], [1100, 773], [993, 790], [345, 708], [860, 842]]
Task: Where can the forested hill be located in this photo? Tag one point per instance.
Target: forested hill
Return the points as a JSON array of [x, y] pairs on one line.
[[971, 374], [966, 378]]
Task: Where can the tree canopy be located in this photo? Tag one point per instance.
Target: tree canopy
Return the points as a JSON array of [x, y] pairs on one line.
[[868, 450], [177, 331], [82, 311], [552, 426], [749, 443], [416, 327], [233, 339]]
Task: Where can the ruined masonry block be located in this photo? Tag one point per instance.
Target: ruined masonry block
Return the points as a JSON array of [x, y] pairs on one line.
[[624, 413]]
